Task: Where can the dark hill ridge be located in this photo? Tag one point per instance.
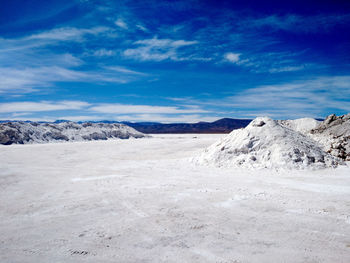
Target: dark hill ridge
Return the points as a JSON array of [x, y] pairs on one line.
[[225, 125]]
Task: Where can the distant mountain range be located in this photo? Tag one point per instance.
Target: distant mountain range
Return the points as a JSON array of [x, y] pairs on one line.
[[225, 125]]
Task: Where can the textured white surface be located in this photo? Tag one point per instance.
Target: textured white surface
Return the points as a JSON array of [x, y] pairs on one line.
[[303, 125], [143, 201], [334, 135], [28, 133], [265, 143]]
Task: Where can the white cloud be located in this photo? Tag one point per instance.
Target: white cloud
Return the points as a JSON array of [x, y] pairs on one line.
[[269, 62], [68, 60], [66, 33], [29, 118], [296, 23], [27, 110], [232, 57], [315, 98], [189, 118], [82, 118], [142, 28], [49, 37], [157, 49], [287, 69], [116, 108], [121, 23], [28, 80], [155, 42], [104, 53], [29, 64], [126, 70], [42, 106]]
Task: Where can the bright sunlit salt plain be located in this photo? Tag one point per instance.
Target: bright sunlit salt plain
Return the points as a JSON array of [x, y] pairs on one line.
[[141, 200]]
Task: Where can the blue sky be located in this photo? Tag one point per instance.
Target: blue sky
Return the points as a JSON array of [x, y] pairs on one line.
[[173, 61]]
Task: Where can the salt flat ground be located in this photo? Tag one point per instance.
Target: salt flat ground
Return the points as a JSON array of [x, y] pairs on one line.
[[143, 201]]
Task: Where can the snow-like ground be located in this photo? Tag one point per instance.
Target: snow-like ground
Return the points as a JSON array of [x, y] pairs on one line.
[[266, 143], [143, 201]]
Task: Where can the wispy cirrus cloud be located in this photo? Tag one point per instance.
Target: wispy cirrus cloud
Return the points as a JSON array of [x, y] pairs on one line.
[[116, 108], [79, 117], [121, 23], [317, 97], [142, 28], [131, 118], [84, 111], [188, 118], [29, 64], [296, 23], [67, 33], [287, 68], [50, 37], [33, 79], [307, 97], [271, 62], [158, 49], [109, 108], [27, 80], [41, 106], [125, 71], [104, 53], [228, 50]]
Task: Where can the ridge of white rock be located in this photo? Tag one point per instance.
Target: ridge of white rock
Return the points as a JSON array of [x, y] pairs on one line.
[[302, 125], [33, 132], [265, 143], [334, 134]]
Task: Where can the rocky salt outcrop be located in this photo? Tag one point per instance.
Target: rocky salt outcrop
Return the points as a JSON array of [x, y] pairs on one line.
[[334, 134], [33, 132], [265, 143], [302, 125]]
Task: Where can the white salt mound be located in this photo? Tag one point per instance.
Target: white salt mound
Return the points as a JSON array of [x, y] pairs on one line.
[[265, 143], [334, 134], [303, 125]]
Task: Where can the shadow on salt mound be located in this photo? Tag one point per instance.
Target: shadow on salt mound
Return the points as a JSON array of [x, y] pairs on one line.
[[265, 143]]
